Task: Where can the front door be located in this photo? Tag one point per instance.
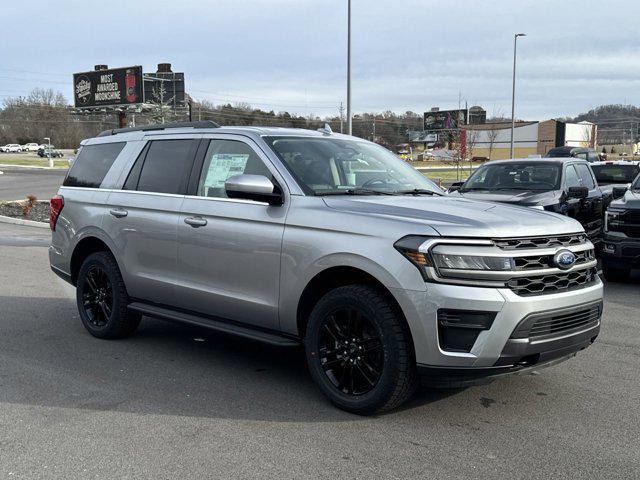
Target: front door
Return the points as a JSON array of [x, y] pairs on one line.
[[229, 249]]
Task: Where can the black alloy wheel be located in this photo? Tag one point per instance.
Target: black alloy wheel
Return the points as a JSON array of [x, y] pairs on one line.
[[359, 349], [102, 298], [97, 296], [350, 351]]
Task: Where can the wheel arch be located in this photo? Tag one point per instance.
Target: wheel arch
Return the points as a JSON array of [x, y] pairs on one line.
[[334, 277], [88, 245]]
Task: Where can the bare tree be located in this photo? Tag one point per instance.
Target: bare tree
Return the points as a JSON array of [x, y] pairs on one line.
[[160, 105]]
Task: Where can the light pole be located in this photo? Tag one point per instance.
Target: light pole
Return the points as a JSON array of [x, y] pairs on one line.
[[349, 129], [49, 151], [513, 90]]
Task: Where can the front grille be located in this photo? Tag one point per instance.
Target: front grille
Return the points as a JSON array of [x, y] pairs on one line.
[[560, 322], [552, 283], [538, 262], [541, 242], [627, 222]]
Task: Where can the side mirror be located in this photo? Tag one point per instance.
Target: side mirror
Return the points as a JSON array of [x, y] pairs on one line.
[[618, 192], [455, 187], [253, 187], [578, 192]]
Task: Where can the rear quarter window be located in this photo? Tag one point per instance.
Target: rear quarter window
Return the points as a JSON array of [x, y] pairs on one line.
[[92, 164]]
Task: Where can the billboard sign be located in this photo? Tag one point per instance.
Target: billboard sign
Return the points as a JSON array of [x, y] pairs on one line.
[[445, 119], [113, 87], [165, 87]]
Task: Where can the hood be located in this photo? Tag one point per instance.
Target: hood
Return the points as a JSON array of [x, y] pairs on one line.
[[515, 197], [631, 200], [608, 189], [451, 216]]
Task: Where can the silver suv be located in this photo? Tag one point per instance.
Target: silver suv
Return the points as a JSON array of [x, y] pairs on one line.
[[296, 237]]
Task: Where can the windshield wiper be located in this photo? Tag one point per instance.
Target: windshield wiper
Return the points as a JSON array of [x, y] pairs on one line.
[[418, 191], [354, 191]]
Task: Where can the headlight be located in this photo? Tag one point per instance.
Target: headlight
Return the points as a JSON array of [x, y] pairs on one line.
[[472, 262], [611, 216], [452, 259]]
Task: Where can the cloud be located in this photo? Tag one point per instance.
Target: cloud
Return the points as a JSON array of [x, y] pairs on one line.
[[290, 54]]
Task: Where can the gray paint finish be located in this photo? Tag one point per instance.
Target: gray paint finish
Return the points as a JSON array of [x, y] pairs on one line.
[[250, 262]]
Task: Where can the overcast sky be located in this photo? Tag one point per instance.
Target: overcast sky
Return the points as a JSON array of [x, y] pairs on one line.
[[291, 54]]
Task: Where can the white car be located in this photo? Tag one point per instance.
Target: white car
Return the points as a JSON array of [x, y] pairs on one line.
[[30, 147], [12, 148]]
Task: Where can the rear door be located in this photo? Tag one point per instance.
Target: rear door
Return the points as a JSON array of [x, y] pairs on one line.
[[229, 249], [142, 218]]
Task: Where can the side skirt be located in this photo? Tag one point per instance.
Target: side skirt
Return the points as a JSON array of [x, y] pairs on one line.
[[217, 324]]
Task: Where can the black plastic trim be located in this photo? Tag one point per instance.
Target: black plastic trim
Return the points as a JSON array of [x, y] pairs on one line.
[[162, 126], [251, 332], [64, 276]]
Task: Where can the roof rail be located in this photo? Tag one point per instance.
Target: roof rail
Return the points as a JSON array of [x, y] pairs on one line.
[[162, 126]]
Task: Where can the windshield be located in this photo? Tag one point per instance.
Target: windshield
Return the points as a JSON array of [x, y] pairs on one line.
[[608, 174], [636, 184], [515, 176], [334, 166]]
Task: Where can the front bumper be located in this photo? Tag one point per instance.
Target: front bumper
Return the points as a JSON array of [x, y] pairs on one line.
[[494, 350], [620, 251]]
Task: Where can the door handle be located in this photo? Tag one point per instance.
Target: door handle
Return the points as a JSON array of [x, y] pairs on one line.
[[195, 222], [118, 212]]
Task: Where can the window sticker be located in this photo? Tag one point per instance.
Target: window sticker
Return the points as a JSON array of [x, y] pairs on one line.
[[223, 166]]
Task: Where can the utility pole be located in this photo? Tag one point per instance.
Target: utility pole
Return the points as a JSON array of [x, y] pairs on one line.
[[349, 125], [374, 129], [513, 90], [341, 110]]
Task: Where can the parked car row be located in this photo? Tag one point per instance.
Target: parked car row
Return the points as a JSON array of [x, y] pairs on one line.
[[602, 196], [27, 147]]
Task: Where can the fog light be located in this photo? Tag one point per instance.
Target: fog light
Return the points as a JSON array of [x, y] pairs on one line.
[[607, 247]]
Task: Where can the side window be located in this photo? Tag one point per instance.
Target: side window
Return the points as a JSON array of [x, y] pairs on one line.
[[571, 178], [134, 175], [585, 176], [224, 159], [166, 166], [92, 164]]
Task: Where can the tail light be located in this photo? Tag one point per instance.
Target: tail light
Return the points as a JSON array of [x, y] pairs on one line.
[[55, 207]]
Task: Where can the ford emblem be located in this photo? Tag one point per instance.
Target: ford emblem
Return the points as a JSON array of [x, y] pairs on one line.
[[564, 259]]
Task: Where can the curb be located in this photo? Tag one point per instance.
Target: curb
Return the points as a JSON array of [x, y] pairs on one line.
[[26, 223], [33, 167]]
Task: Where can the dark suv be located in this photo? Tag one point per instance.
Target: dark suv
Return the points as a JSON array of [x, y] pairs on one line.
[[561, 185], [588, 154], [621, 247]]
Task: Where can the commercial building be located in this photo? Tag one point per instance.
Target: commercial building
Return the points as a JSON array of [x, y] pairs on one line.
[[492, 140]]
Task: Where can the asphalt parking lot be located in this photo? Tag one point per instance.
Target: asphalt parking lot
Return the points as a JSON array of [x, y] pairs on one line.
[[175, 402], [16, 183]]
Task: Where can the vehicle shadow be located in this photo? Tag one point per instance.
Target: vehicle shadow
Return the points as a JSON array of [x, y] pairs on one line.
[[624, 293], [47, 358]]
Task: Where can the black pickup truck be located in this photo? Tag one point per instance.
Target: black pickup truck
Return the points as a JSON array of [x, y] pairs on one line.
[[621, 246], [564, 185]]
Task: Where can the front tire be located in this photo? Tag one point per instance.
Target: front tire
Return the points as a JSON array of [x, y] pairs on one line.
[[102, 298], [359, 350]]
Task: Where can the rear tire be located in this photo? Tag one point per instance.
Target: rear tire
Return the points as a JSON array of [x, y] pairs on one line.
[[615, 274], [102, 298], [359, 350]]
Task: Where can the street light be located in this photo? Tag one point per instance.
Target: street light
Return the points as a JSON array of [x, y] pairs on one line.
[[513, 89], [349, 129], [49, 151]]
